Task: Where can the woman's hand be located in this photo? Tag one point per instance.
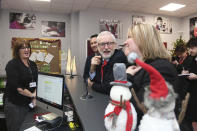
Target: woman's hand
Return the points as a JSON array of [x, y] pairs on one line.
[[185, 72], [133, 70], [34, 102], [175, 62]]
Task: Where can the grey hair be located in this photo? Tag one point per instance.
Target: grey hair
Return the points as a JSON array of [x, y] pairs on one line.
[[106, 33], [159, 103]]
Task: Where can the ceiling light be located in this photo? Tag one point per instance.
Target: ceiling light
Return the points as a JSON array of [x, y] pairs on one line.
[[172, 7], [44, 0]]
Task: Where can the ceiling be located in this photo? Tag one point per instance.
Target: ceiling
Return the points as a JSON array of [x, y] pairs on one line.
[[69, 6]]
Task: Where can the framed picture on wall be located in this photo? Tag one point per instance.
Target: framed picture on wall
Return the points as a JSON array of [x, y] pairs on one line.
[[53, 29], [193, 27], [163, 25], [138, 20], [22, 20], [114, 26]]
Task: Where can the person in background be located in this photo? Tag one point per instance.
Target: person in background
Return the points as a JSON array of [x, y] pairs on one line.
[[182, 60], [93, 45], [145, 40], [191, 114], [20, 88], [101, 70]]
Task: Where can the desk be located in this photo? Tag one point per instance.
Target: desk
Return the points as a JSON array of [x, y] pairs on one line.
[[29, 121], [90, 112]]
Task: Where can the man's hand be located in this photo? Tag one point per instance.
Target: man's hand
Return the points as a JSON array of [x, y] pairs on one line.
[[90, 83], [133, 70], [192, 76], [96, 60]]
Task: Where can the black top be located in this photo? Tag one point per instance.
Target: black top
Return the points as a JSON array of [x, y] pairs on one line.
[[186, 65], [193, 69], [19, 76], [87, 67], [192, 108], [141, 79], [104, 86]]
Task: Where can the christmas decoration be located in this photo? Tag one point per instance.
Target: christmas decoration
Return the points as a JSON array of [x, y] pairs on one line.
[[120, 114]]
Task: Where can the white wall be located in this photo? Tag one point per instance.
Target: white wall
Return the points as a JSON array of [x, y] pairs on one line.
[[7, 34], [89, 24], [79, 27]]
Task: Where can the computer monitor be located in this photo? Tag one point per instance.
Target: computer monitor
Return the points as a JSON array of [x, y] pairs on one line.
[[50, 91]]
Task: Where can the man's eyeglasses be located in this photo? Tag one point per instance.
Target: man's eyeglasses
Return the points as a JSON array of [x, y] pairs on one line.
[[106, 43]]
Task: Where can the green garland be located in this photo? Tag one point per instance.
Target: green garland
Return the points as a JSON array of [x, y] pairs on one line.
[[178, 42]]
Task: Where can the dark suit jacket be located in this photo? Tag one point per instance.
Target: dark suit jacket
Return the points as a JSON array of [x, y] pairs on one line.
[[185, 65], [192, 108], [104, 86], [87, 68]]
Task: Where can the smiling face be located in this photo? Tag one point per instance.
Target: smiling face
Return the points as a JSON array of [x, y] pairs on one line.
[[94, 44], [24, 52], [106, 45]]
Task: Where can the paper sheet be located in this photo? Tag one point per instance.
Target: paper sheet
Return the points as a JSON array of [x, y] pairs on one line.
[[40, 56], [48, 58], [33, 128], [184, 75], [33, 56]]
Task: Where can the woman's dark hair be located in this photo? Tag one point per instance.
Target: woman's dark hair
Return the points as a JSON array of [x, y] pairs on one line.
[[180, 49], [92, 36], [192, 42], [18, 45]]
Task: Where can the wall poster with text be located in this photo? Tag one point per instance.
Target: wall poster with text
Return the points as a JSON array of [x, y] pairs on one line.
[[163, 25], [114, 26]]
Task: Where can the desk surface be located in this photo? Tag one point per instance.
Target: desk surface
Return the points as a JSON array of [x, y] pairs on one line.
[[29, 121], [90, 112]]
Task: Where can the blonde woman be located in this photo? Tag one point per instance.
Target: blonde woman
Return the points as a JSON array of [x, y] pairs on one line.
[[146, 42]]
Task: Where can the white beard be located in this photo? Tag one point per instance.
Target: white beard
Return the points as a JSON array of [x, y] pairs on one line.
[[149, 123], [121, 119]]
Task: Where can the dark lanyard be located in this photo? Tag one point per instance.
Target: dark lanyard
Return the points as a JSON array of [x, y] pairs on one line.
[[30, 70]]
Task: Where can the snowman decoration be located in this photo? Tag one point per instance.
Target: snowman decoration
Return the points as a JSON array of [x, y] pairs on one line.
[[120, 114], [159, 99]]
